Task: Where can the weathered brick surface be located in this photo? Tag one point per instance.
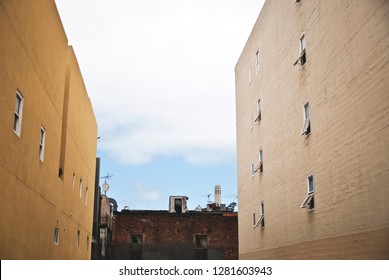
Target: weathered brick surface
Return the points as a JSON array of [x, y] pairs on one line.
[[172, 236]]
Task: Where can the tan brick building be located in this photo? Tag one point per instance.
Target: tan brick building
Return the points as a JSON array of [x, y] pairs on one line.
[[312, 108], [48, 137]]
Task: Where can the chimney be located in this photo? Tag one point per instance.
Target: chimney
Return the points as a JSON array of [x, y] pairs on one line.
[[218, 195]]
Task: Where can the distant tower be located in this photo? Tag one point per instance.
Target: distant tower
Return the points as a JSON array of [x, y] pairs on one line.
[[218, 195]]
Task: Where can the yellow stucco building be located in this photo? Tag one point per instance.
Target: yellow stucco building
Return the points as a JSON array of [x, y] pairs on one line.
[[48, 135], [312, 109]]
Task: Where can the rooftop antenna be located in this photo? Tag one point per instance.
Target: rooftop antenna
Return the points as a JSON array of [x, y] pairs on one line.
[[208, 198], [105, 186]]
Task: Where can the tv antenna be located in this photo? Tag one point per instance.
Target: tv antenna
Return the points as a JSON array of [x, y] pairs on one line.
[[105, 186]]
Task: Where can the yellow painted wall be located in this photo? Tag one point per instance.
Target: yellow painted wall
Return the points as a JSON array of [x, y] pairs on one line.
[[346, 81], [36, 60]]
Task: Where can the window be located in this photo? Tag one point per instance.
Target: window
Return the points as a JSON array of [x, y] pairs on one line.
[[78, 239], [42, 143], [18, 113], [262, 211], [87, 243], [261, 221], [307, 119], [257, 62], [251, 120], [252, 169], [258, 111], [201, 247], [60, 173], [309, 200], [303, 53], [178, 205], [303, 57], [136, 247], [80, 188], [86, 196], [260, 166], [74, 180], [136, 239], [250, 75], [56, 236]]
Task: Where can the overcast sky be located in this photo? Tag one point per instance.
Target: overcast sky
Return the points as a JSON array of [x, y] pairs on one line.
[[160, 75]]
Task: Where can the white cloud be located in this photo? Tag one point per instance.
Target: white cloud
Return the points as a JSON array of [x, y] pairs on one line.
[[160, 74], [147, 194]]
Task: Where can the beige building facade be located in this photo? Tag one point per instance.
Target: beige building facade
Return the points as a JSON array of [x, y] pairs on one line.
[[48, 138], [312, 115]]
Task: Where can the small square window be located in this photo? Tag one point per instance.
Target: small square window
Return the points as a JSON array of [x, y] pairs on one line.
[[309, 201], [18, 113], [201, 241], [42, 144], [137, 239], [307, 119]]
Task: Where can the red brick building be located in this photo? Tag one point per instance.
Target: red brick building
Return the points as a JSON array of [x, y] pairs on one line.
[[146, 234]]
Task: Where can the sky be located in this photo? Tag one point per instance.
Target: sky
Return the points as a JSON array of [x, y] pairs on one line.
[[160, 76]]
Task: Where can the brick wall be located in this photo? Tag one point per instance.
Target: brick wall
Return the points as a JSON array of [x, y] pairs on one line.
[[172, 236]]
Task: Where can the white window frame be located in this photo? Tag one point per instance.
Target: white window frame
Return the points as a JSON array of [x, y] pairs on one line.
[[307, 119], [303, 49], [18, 114], [260, 157], [86, 195], [42, 141], [252, 169], [56, 236], [257, 62], [262, 212], [250, 75], [259, 113], [80, 187], [310, 194], [74, 180], [261, 221]]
